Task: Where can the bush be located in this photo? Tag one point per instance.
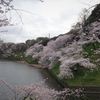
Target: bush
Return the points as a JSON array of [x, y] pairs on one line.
[[43, 40]]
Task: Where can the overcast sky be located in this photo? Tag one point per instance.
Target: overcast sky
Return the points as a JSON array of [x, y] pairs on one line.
[[52, 17]]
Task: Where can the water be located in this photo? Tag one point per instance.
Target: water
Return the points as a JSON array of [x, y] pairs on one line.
[[16, 73]]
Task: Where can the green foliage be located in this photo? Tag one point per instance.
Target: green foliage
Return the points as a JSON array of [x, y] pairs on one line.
[[72, 31], [30, 60], [88, 49], [25, 98], [30, 42], [78, 70], [43, 40], [95, 15], [54, 38], [17, 56], [89, 52]]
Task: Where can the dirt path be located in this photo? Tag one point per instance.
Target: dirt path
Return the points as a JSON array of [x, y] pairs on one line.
[[34, 65]]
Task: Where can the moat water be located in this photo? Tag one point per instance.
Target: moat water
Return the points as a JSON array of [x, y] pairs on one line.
[[16, 73]]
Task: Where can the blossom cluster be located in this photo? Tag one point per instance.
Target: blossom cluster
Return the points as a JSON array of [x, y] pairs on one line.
[[68, 50], [38, 92], [7, 49]]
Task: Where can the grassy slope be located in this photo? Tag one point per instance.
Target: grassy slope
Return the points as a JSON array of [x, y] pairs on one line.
[[84, 76], [55, 69], [91, 79], [30, 60]]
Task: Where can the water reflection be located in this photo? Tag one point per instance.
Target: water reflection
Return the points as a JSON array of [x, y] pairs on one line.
[[50, 80], [17, 73]]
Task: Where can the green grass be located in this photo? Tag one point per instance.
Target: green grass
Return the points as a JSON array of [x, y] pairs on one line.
[[88, 50], [91, 79], [84, 77], [55, 69], [30, 60]]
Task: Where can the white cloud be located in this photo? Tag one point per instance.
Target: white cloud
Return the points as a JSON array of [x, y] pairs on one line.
[[51, 16]]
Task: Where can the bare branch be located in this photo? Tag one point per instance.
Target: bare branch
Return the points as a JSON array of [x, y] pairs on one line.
[[82, 2]]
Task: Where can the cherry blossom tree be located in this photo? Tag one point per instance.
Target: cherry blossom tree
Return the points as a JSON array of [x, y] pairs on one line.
[[6, 7], [38, 92], [33, 50], [11, 49], [68, 50]]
